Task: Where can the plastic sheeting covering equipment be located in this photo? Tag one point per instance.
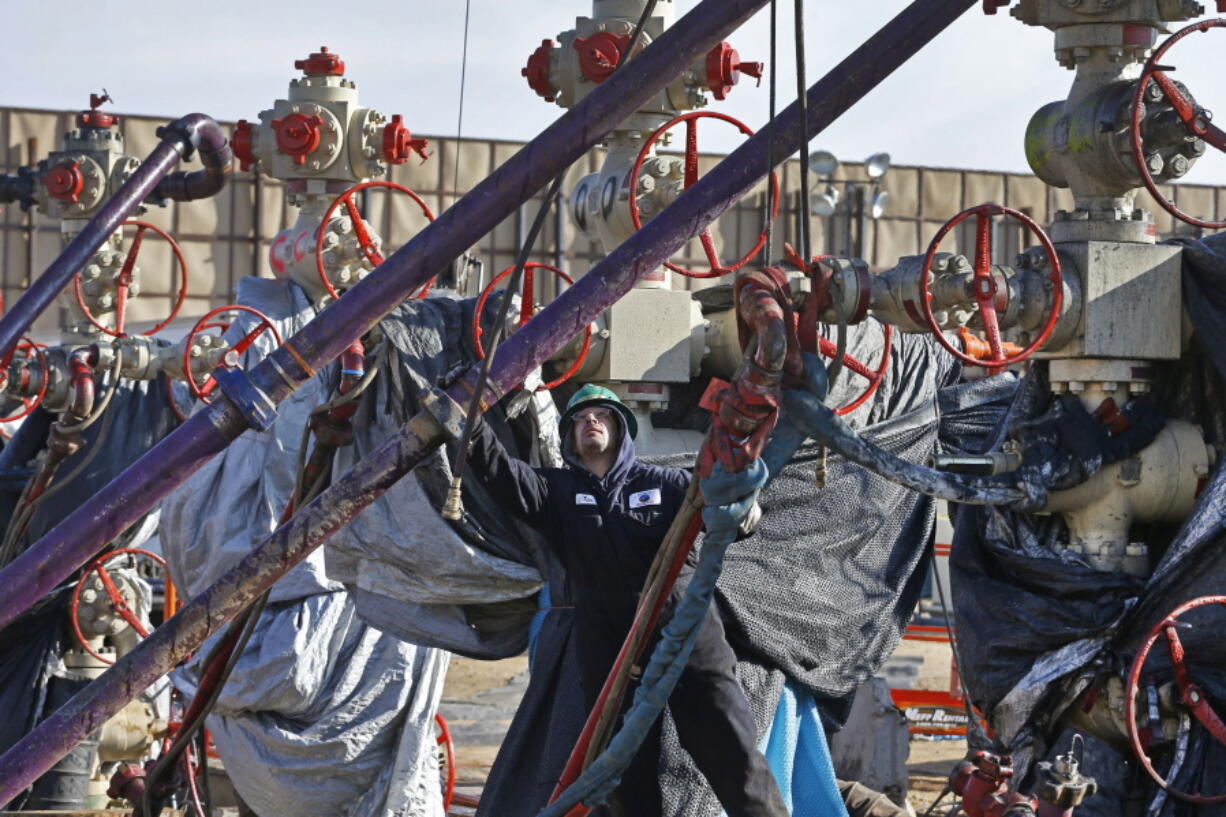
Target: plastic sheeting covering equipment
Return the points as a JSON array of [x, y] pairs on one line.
[[470, 586], [1037, 627], [323, 714], [795, 746]]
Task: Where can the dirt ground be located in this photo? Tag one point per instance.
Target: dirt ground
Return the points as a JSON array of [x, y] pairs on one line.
[[479, 699], [466, 677]]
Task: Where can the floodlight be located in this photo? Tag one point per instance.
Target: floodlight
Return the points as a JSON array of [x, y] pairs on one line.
[[823, 163], [881, 200], [876, 165], [824, 204]]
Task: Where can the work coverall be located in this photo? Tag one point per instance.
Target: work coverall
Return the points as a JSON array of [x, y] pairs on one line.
[[606, 531]]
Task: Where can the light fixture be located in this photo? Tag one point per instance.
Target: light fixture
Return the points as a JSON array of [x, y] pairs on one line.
[[823, 163], [876, 165], [824, 204], [881, 199]]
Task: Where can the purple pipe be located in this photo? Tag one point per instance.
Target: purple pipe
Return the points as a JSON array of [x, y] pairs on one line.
[[138, 489], [216, 156], [403, 451], [179, 139]]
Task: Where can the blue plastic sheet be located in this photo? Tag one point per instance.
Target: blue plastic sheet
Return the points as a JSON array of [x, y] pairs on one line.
[[795, 747]]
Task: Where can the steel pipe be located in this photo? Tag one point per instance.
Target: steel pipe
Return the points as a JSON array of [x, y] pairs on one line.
[[527, 348], [142, 485], [217, 158], [179, 139]]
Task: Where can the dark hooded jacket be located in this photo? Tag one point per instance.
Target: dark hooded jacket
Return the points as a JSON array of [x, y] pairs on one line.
[[604, 531]]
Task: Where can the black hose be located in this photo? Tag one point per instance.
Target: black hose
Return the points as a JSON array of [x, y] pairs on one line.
[[821, 423]]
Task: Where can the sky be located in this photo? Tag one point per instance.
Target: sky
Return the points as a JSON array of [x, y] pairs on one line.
[[963, 101]]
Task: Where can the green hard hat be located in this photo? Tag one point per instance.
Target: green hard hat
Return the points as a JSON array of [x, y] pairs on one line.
[[592, 394]]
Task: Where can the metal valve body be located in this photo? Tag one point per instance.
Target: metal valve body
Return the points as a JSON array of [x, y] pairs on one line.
[[321, 141]]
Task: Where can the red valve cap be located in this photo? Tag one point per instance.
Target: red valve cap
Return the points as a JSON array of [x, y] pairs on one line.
[[65, 182], [94, 118], [398, 143], [724, 69], [297, 135], [600, 53], [243, 144], [537, 70], [320, 63]]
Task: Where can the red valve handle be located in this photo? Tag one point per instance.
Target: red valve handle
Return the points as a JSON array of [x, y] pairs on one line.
[[986, 289], [117, 602], [526, 311], [29, 403], [873, 376], [444, 740], [1189, 691], [232, 354], [691, 176], [359, 227], [1198, 121], [124, 281]]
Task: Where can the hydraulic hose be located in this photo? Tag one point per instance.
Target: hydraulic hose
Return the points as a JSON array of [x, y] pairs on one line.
[[169, 463], [815, 419], [179, 139]]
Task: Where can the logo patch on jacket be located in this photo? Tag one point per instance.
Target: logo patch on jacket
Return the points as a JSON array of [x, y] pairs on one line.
[[585, 499], [644, 498]]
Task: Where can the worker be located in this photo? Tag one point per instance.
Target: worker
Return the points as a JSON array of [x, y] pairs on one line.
[[604, 517]]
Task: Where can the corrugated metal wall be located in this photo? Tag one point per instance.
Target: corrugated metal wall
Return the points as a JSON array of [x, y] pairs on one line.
[[227, 237]]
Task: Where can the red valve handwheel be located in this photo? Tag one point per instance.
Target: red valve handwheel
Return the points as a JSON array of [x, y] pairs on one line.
[[29, 403], [359, 227], [1190, 692], [691, 176], [117, 603], [986, 289], [125, 280], [1198, 121], [444, 740], [525, 315], [874, 377], [206, 322]]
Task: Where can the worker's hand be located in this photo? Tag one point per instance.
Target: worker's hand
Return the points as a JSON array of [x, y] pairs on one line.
[[731, 509]]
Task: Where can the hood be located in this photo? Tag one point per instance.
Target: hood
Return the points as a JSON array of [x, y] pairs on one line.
[[621, 467]]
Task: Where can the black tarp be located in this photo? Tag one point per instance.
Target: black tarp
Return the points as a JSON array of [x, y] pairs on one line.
[[1038, 627]]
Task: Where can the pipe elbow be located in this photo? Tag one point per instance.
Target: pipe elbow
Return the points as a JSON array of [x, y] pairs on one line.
[[81, 386], [196, 132]]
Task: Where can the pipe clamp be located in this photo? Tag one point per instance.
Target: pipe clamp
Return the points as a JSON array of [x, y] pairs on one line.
[[257, 408]]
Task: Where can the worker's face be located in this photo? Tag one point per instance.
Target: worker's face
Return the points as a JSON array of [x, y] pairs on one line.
[[595, 430]]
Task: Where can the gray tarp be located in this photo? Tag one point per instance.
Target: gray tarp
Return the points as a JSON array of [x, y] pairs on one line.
[[323, 714], [468, 586]]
